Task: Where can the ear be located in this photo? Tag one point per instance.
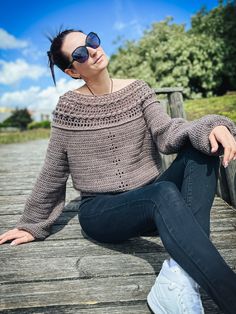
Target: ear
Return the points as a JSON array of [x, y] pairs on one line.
[[72, 73]]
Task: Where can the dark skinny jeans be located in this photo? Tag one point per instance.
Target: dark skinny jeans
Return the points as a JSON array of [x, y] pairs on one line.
[[177, 205]]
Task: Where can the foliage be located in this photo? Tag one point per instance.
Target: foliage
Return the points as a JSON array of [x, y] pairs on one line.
[[46, 124], [219, 24], [169, 56], [19, 118]]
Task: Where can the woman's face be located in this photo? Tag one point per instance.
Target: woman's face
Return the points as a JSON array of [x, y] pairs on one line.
[[96, 62]]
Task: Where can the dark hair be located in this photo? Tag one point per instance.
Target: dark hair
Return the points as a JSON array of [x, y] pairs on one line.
[[55, 55]]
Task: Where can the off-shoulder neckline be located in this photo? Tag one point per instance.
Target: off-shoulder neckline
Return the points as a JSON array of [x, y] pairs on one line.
[[113, 94]]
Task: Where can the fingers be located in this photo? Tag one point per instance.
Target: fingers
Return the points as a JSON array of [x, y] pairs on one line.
[[214, 144], [7, 238], [229, 154], [222, 134], [232, 154], [18, 236], [9, 235], [21, 240]]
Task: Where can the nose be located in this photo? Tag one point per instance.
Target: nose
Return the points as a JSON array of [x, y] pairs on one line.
[[92, 51]]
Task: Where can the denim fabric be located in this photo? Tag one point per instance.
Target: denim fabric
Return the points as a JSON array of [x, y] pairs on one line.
[[177, 205]]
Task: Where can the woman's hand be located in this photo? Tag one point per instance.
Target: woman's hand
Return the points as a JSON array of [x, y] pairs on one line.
[[222, 134], [19, 236]]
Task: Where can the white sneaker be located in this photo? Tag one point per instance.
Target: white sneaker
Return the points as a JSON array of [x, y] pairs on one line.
[[174, 292]]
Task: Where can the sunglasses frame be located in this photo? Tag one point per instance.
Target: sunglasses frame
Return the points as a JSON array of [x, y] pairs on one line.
[[85, 46]]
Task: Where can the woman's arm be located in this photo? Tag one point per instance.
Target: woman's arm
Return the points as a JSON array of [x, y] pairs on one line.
[[47, 198], [170, 134]]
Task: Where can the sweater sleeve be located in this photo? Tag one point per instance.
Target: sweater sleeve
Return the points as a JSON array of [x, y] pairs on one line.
[[170, 134], [47, 198]]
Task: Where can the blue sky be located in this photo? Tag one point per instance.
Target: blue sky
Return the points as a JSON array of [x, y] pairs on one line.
[[25, 79]]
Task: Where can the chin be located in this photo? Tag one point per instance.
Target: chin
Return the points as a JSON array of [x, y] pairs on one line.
[[104, 63]]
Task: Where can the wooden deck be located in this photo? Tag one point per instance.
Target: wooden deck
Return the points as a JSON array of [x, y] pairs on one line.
[[69, 273]]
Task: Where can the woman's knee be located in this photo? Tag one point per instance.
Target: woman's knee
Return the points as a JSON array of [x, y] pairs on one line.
[[163, 191]]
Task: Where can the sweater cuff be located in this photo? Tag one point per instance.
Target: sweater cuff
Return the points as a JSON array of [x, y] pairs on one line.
[[36, 232], [209, 123]]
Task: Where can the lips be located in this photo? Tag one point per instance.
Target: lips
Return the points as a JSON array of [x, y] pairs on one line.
[[98, 59]]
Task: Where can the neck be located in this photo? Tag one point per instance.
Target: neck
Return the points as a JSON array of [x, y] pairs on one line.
[[100, 84]]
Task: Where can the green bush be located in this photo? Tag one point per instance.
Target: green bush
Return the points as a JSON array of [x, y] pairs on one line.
[[36, 125]]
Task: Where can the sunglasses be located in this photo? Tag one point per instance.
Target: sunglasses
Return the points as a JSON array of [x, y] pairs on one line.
[[81, 53]]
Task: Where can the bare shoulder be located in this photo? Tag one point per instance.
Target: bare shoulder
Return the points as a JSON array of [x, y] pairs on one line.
[[117, 85], [82, 90], [121, 83]]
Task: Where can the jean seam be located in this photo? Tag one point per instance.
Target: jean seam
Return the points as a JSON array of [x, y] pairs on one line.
[[189, 184]]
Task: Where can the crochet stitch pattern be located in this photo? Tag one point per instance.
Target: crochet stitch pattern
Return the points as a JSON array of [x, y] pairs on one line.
[[109, 144]]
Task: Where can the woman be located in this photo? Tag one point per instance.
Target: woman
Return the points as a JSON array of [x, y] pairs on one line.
[[108, 134]]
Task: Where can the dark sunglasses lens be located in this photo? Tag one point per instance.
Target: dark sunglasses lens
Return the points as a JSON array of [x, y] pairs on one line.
[[80, 54], [93, 40]]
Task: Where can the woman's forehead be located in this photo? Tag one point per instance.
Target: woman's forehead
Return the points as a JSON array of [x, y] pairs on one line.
[[72, 41]]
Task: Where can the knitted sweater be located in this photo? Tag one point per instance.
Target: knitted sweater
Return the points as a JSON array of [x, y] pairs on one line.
[[109, 143]]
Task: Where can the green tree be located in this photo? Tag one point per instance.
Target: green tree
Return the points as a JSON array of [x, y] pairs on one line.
[[201, 60], [219, 24], [167, 55], [19, 118]]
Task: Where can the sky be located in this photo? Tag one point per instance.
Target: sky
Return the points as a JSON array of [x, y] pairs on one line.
[[25, 79]]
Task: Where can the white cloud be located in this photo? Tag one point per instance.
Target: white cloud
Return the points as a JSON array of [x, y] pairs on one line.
[[36, 99], [133, 24], [33, 52], [12, 72], [118, 25], [8, 41]]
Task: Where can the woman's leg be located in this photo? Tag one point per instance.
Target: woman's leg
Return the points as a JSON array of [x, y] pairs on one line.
[[195, 174], [180, 222]]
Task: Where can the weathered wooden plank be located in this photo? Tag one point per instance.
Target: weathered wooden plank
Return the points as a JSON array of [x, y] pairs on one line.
[[80, 247], [176, 105], [88, 266], [83, 293], [126, 308], [20, 199], [16, 204], [139, 308], [91, 266]]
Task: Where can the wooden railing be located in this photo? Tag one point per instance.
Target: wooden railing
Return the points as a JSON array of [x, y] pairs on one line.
[[173, 104]]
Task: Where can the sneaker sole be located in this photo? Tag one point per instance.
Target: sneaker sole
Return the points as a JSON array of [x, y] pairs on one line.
[[150, 308], [159, 309]]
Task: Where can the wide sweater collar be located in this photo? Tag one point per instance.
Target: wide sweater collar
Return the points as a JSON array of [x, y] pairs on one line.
[[79, 111]]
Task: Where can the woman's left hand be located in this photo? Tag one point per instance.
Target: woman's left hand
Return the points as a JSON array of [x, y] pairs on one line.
[[222, 134]]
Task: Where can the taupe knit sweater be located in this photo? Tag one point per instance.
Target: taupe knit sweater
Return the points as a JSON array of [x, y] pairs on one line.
[[108, 143]]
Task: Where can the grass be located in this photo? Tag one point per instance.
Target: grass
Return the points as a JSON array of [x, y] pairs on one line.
[[222, 105], [24, 136]]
